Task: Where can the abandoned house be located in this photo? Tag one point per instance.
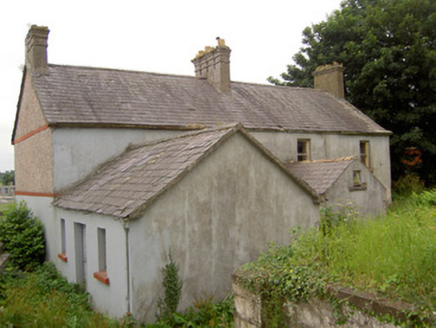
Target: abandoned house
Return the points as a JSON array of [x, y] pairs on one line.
[[122, 166]]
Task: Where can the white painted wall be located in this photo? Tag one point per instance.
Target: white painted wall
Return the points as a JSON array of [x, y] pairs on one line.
[[110, 299]]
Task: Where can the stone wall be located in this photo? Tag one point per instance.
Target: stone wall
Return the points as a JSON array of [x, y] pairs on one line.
[[7, 190]]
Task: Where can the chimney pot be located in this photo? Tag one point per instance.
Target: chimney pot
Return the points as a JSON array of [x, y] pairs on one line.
[[36, 49]]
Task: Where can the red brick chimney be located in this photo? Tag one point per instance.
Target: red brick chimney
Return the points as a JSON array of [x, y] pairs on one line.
[[330, 78], [36, 49], [214, 64]]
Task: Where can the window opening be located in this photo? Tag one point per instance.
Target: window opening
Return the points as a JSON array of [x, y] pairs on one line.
[[364, 153], [303, 150]]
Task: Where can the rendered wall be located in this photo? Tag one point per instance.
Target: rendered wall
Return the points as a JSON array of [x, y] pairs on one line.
[[109, 299], [220, 215], [80, 151], [330, 146], [367, 199]]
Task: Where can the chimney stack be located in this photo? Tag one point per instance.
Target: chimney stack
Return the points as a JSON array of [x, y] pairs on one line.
[[36, 49], [214, 64], [330, 78]]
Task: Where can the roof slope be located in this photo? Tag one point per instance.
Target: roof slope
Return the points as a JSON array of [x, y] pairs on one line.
[[126, 185], [320, 175], [94, 96]]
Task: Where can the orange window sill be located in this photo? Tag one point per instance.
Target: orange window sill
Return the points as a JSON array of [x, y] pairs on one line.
[[102, 277], [63, 257]]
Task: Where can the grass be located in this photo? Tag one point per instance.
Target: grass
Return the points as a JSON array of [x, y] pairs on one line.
[[393, 255], [44, 299]]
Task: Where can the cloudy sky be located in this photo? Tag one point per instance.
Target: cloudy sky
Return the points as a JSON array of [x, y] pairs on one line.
[[155, 36]]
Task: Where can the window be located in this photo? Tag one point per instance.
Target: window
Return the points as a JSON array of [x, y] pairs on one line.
[[356, 179], [364, 153], [101, 235], [101, 275], [63, 254], [358, 184], [303, 150]]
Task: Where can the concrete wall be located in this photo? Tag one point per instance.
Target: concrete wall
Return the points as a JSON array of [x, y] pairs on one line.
[[79, 152], [311, 314], [365, 199], [330, 146], [7, 190], [220, 215]]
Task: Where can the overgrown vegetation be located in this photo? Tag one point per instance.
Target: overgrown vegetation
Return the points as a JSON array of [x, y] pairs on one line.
[[22, 236], [45, 299], [393, 256]]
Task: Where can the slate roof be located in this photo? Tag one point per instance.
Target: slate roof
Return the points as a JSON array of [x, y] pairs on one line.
[[320, 175], [126, 185], [103, 97]]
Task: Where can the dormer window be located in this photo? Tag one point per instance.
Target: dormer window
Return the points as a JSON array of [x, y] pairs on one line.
[[364, 153], [303, 150]]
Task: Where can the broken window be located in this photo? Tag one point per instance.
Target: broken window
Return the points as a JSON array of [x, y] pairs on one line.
[[357, 179], [364, 153], [303, 150]]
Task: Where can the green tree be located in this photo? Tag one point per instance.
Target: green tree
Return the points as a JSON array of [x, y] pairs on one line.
[[388, 48], [22, 235], [7, 178]]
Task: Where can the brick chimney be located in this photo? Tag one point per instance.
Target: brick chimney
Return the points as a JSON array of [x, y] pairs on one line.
[[214, 64], [36, 49], [330, 78]]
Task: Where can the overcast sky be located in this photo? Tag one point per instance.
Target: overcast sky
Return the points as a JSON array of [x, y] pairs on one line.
[[155, 36]]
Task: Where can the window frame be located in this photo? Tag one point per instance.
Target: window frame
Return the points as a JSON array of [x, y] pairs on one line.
[[101, 274], [63, 254], [304, 146]]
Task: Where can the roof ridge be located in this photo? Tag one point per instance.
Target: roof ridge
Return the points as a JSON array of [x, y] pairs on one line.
[[234, 126], [122, 70]]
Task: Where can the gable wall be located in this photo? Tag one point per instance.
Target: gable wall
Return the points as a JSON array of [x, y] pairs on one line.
[[365, 201], [32, 146], [220, 215], [330, 146]]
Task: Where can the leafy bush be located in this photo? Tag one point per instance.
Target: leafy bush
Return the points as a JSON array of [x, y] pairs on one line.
[[22, 235]]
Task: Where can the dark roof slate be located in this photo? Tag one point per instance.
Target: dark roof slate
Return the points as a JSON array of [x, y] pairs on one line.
[[125, 186], [94, 96], [320, 175]]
